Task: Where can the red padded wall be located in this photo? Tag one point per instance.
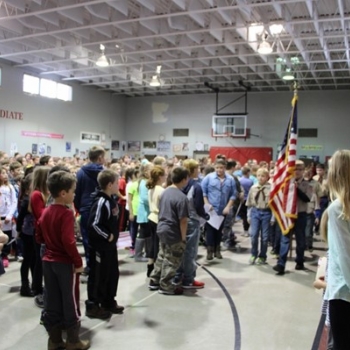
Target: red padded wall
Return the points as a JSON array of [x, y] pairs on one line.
[[242, 154]]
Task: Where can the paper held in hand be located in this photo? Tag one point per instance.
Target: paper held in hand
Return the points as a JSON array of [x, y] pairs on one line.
[[321, 271], [215, 219]]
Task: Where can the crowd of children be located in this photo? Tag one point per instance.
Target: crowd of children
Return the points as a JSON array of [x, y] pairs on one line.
[[163, 204]]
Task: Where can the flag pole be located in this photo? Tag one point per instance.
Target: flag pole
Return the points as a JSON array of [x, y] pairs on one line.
[[295, 98], [295, 87]]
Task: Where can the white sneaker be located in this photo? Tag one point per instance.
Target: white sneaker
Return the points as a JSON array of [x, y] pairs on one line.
[[20, 258]]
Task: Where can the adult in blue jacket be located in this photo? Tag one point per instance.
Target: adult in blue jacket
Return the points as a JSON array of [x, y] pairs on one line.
[[86, 185]]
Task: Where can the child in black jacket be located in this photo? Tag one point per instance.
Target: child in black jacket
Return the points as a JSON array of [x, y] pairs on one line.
[[103, 235]]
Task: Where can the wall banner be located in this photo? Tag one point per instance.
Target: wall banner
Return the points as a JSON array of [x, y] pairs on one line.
[[49, 135]]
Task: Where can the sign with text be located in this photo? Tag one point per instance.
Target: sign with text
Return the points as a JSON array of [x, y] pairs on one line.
[[6, 114], [312, 147], [49, 135]]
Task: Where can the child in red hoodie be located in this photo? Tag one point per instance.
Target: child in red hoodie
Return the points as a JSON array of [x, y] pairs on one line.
[[61, 261]]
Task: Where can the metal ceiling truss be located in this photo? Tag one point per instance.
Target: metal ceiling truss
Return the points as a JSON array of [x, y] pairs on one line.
[[195, 41]]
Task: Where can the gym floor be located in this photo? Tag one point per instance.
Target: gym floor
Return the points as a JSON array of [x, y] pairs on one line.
[[242, 307]]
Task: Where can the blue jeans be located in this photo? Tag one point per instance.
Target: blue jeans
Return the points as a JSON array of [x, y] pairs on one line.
[[309, 231], [260, 222], [188, 267], [299, 231]]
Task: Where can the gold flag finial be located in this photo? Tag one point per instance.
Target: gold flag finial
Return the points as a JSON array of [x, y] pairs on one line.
[[295, 87]]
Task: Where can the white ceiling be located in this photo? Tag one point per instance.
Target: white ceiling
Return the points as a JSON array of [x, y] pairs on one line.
[[195, 41]]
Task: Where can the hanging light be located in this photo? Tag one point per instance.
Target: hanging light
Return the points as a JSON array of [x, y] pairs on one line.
[[102, 61], [154, 81], [276, 29], [288, 74], [264, 48]]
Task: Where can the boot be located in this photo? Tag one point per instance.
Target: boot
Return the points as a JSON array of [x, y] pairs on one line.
[[95, 311], [25, 290], [55, 339], [73, 340], [139, 244], [210, 251], [217, 253]]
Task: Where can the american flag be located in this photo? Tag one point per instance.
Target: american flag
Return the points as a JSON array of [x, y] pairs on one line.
[[283, 195]]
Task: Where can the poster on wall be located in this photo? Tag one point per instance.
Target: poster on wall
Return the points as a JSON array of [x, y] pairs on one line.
[[13, 148], [42, 149], [68, 146], [48, 149], [123, 146], [163, 146], [150, 145], [134, 146], [115, 145], [90, 137], [34, 148], [185, 146], [177, 147]]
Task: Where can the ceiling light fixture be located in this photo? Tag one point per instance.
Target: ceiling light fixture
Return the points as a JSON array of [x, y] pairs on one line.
[[264, 48], [276, 29], [155, 81], [288, 74], [102, 61]]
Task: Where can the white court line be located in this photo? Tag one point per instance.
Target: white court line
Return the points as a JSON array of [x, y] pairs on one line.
[[127, 307], [5, 285]]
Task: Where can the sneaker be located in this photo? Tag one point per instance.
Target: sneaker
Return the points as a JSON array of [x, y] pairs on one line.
[[194, 285], [279, 269], [252, 260], [176, 291], [39, 301], [20, 258], [95, 311], [25, 291], [153, 285], [116, 309], [5, 262], [299, 267], [261, 261]]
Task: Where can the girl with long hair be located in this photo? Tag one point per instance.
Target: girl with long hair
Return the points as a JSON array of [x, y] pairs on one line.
[[38, 199], [338, 284], [155, 189], [8, 207]]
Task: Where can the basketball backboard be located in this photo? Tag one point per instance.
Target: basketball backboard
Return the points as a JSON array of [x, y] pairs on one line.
[[229, 125]]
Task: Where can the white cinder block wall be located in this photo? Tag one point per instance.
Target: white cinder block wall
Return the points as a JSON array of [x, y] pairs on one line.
[[268, 115], [90, 110]]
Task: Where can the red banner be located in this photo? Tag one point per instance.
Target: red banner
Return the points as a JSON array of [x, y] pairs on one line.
[[42, 134]]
